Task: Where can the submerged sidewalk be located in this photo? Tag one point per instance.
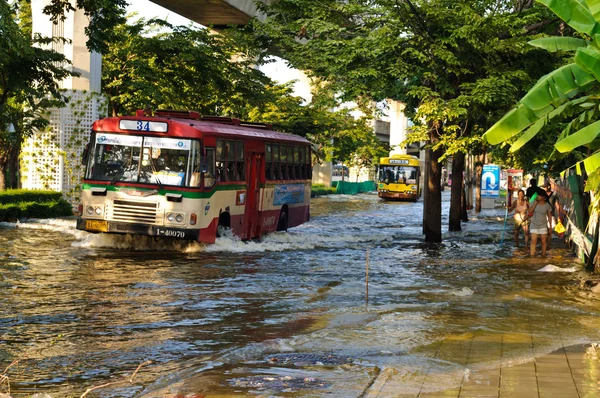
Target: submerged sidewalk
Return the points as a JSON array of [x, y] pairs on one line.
[[568, 372]]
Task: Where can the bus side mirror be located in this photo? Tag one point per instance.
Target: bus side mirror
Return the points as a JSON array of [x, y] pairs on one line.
[[84, 154]]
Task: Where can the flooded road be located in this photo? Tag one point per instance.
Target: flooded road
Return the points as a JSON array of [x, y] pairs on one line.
[[285, 316]]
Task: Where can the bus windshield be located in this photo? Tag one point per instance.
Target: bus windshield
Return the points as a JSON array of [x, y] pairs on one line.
[[139, 159], [398, 174]]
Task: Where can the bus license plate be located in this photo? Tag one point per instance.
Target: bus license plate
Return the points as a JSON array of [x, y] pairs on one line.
[[93, 225], [172, 233]]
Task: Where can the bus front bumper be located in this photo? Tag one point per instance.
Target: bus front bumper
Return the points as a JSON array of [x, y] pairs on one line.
[[398, 195], [112, 227]]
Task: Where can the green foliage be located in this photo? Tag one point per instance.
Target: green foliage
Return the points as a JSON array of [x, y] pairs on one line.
[[321, 190], [27, 195], [22, 203], [183, 68], [15, 211]]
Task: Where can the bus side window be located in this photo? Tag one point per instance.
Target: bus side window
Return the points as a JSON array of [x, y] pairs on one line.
[[230, 153], [220, 161], [290, 161], [209, 172], [276, 160], [297, 168], [268, 162], [239, 155], [283, 162], [195, 165]]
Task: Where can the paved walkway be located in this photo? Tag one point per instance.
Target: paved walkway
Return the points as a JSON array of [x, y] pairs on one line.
[[568, 372]]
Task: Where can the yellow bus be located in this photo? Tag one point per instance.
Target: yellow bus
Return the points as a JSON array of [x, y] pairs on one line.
[[399, 178]]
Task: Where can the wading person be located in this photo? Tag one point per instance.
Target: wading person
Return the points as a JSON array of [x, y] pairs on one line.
[[520, 206], [532, 188], [541, 221], [551, 199]]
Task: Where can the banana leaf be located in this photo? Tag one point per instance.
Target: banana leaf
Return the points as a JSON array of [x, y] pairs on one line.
[[537, 126], [528, 135], [592, 163], [576, 15], [579, 138], [555, 43], [547, 95], [588, 58], [512, 123], [594, 7]]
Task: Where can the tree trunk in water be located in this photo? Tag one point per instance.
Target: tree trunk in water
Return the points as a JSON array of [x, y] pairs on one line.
[[12, 182], [478, 173], [464, 205], [2, 175], [432, 208], [458, 167]]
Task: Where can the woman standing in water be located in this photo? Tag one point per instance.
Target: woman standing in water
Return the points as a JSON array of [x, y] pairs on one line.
[[520, 206], [541, 221]]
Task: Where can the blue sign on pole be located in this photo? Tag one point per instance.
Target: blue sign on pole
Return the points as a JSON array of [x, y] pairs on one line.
[[490, 181]]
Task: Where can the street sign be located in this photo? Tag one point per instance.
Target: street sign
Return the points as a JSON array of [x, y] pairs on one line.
[[490, 181]]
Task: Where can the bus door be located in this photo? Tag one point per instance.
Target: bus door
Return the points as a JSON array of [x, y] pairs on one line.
[[254, 161]]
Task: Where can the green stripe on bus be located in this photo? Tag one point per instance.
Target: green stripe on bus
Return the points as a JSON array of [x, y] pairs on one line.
[[185, 194]]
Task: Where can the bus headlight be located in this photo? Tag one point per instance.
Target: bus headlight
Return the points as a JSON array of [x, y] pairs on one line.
[[176, 218], [89, 210], [98, 210]]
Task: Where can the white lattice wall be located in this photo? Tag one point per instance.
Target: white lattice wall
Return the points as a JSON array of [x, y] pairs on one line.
[[51, 159]]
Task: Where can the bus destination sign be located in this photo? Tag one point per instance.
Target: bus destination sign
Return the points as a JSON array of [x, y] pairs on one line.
[[143, 125], [398, 161]]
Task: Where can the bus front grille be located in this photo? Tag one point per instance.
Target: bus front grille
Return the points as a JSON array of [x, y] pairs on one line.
[[134, 212]]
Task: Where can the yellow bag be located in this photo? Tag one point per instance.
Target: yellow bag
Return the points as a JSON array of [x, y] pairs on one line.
[[559, 228]]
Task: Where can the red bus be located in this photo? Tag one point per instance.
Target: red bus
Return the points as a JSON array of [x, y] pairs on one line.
[[181, 175]]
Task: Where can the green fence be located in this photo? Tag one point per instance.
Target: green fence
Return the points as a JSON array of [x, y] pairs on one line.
[[352, 188]]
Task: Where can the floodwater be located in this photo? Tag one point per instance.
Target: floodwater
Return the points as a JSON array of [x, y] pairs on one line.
[[286, 316]]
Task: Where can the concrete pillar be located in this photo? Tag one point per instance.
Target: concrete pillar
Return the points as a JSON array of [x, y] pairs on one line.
[[398, 125]]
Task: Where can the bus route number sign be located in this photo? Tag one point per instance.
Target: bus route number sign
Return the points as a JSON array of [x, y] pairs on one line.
[[143, 125], [398, 161]]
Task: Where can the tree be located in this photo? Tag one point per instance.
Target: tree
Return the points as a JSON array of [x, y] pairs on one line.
[[29, 83], [180, 68], [457, 65]]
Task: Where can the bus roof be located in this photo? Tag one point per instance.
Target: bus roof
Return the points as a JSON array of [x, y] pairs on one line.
[[184, 127], [399, 159]]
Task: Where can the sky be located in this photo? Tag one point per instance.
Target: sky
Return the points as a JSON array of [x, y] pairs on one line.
[[277, 70], [148, 9]]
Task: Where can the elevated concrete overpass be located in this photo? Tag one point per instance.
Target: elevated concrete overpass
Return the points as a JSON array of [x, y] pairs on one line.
[[218, 13]]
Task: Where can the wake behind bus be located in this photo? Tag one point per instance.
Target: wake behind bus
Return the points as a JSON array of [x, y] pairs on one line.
[[399, 178], [181, 175]]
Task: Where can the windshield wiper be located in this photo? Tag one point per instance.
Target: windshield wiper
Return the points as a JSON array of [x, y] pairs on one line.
[[120, 174], [117, 176], [160, 185]]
